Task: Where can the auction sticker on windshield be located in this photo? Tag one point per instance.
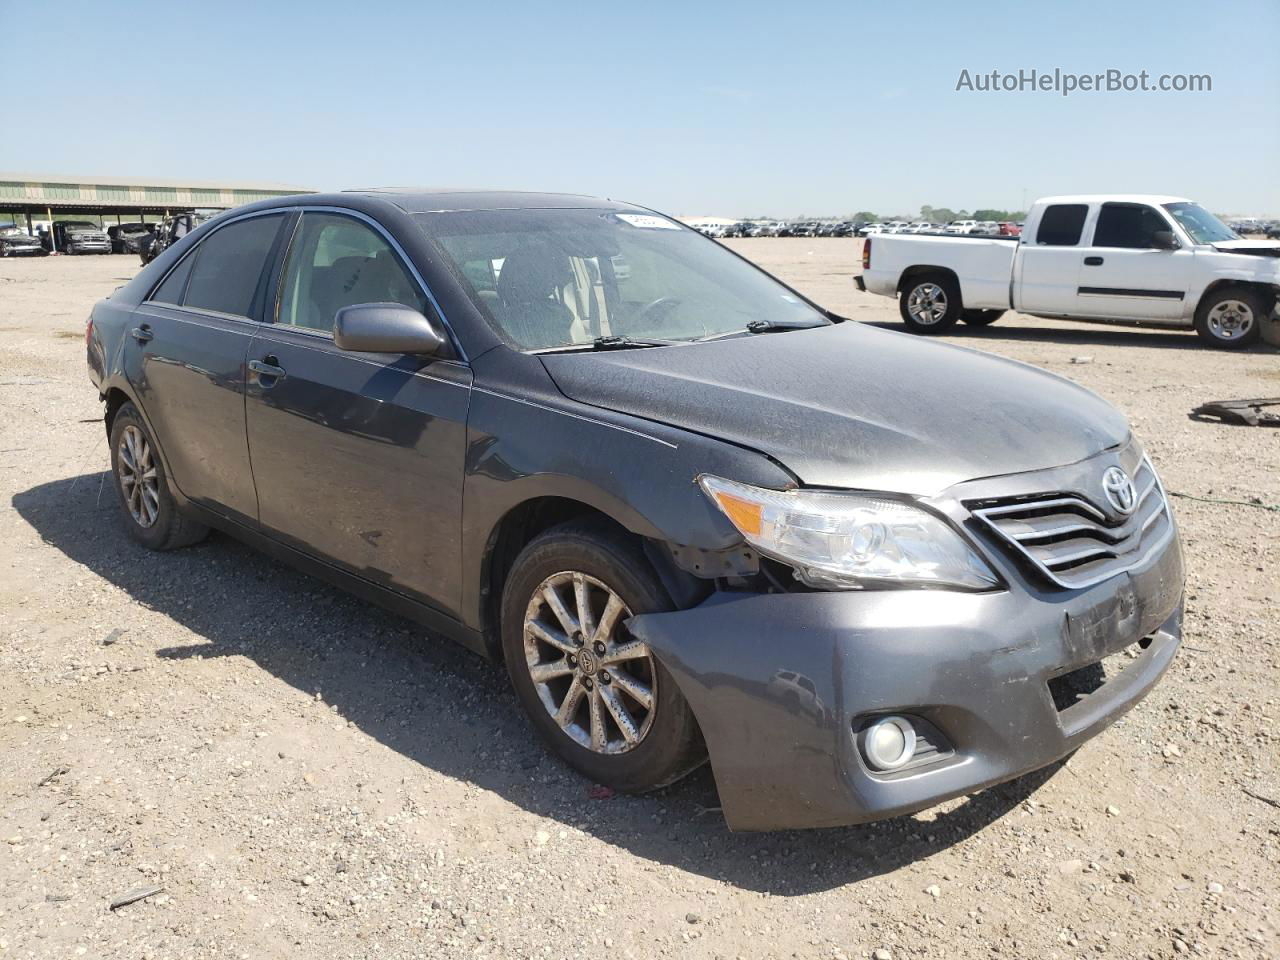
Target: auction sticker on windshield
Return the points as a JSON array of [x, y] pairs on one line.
[[646, 222]]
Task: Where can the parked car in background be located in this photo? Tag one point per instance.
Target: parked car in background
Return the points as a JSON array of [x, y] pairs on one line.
[[963, 227], [896, 226], [988, 228], [870, 229], [16, 242], [76, 237], [1273, 231], [1132, 258], [920, 226], [168, 233], [1009, 229], [838, 578], [127, 237]]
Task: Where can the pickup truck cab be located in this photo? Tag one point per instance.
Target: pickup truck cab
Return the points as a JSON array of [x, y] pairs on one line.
[[1155, 260]]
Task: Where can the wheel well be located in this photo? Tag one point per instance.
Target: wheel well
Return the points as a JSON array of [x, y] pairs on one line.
[[1266, 290], [520, 525], [914, 273], [115, 399]]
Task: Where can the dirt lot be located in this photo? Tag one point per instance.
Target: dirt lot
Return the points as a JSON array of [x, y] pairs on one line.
[[305, 775]]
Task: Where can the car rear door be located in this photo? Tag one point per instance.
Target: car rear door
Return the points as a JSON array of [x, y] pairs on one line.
[[1123, 274], [186, 361], [1047, 263], [358, 458]]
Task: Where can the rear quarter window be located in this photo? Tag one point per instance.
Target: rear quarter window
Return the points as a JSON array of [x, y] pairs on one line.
[[229, 264], [1061, 225]]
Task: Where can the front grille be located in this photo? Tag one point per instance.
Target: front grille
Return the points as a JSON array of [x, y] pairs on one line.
[[1074, 541]]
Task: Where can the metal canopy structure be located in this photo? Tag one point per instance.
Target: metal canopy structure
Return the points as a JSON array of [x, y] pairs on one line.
[[49, 197]]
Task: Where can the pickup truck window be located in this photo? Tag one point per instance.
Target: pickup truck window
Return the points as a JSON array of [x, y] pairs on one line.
[[1061, 225], [1129, 225], [1202, 225]]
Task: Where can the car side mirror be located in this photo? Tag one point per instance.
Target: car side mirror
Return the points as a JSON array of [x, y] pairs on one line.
[[386, 328], [1164, 240]]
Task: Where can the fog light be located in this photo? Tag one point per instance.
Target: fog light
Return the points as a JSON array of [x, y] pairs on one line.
[[888, 743]]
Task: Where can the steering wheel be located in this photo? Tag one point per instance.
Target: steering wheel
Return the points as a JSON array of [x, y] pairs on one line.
[[660, 309]]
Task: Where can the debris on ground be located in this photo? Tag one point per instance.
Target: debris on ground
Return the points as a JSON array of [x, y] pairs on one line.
[[1249, 413], [133, 896]]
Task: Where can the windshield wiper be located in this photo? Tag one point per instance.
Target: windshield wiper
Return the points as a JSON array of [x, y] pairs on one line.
[[760, 326], [771, 326], [611, 343]]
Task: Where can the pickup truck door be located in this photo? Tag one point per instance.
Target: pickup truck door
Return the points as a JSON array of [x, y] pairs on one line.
[[1047, 263], [1123, 275]]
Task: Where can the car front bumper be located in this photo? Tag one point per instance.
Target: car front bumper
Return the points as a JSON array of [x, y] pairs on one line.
[[780, 682]]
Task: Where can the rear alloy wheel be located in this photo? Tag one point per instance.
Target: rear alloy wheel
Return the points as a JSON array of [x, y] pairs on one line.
[[1231, 318], [930, 304], [981, 318], [150, 514], [595, 692]]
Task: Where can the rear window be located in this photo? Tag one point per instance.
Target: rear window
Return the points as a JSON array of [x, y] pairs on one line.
[[1061, 225], [228, 266]]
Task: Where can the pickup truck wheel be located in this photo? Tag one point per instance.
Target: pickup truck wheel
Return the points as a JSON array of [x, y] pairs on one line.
[[595, 693], [1231, 318], [149, 512], [930, 304], [981, 318]]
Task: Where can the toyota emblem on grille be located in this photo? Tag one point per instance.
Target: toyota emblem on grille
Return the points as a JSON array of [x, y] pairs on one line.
[[1119, 490]]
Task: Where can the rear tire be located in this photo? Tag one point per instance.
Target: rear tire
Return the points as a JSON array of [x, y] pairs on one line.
[[981, 318], [1231, 318], [150, 514], [607, 733], [930, 303]]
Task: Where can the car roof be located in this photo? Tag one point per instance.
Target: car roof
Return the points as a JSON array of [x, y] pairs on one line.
[[445, 200], [1152, 198]]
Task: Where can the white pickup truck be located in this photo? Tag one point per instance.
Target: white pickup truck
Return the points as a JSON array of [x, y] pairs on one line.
[[1161, 261]]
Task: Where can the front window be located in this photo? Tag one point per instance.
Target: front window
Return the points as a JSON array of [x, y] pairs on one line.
[[9, 230], [1201, 225], [564, 278]]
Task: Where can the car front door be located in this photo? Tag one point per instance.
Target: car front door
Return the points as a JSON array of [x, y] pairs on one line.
[[358, 458], [1123, 274], [186, 360]]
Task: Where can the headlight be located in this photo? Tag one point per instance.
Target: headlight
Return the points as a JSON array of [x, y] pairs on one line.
[[845, 541]]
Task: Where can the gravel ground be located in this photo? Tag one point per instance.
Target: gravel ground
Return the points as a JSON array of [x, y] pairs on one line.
[[304, 775]]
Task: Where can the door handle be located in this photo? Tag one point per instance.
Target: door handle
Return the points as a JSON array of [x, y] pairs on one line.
[[267, 368], [142, 334], [1093, 261]]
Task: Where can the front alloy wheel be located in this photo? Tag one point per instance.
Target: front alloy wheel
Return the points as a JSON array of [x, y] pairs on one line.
[[1232, 318], [600, 697], [596, 682]]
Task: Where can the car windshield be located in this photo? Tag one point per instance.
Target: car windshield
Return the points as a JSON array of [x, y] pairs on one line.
[[78, 227], [1200, 224], [565, 278]]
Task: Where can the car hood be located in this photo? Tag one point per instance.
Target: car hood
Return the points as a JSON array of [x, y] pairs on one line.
[[17, 238], [854, 406], [1252, 248]]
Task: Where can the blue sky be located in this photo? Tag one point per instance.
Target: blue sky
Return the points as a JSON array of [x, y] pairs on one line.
[[737, 108]]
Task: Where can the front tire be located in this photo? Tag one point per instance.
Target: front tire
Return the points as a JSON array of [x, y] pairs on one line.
[[930, 303], [1231, 318], [595, 693], [981, 318], [147, 507]]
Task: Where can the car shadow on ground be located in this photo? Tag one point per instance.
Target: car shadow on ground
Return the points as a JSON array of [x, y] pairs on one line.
[[1104, 335], [448, 709]]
